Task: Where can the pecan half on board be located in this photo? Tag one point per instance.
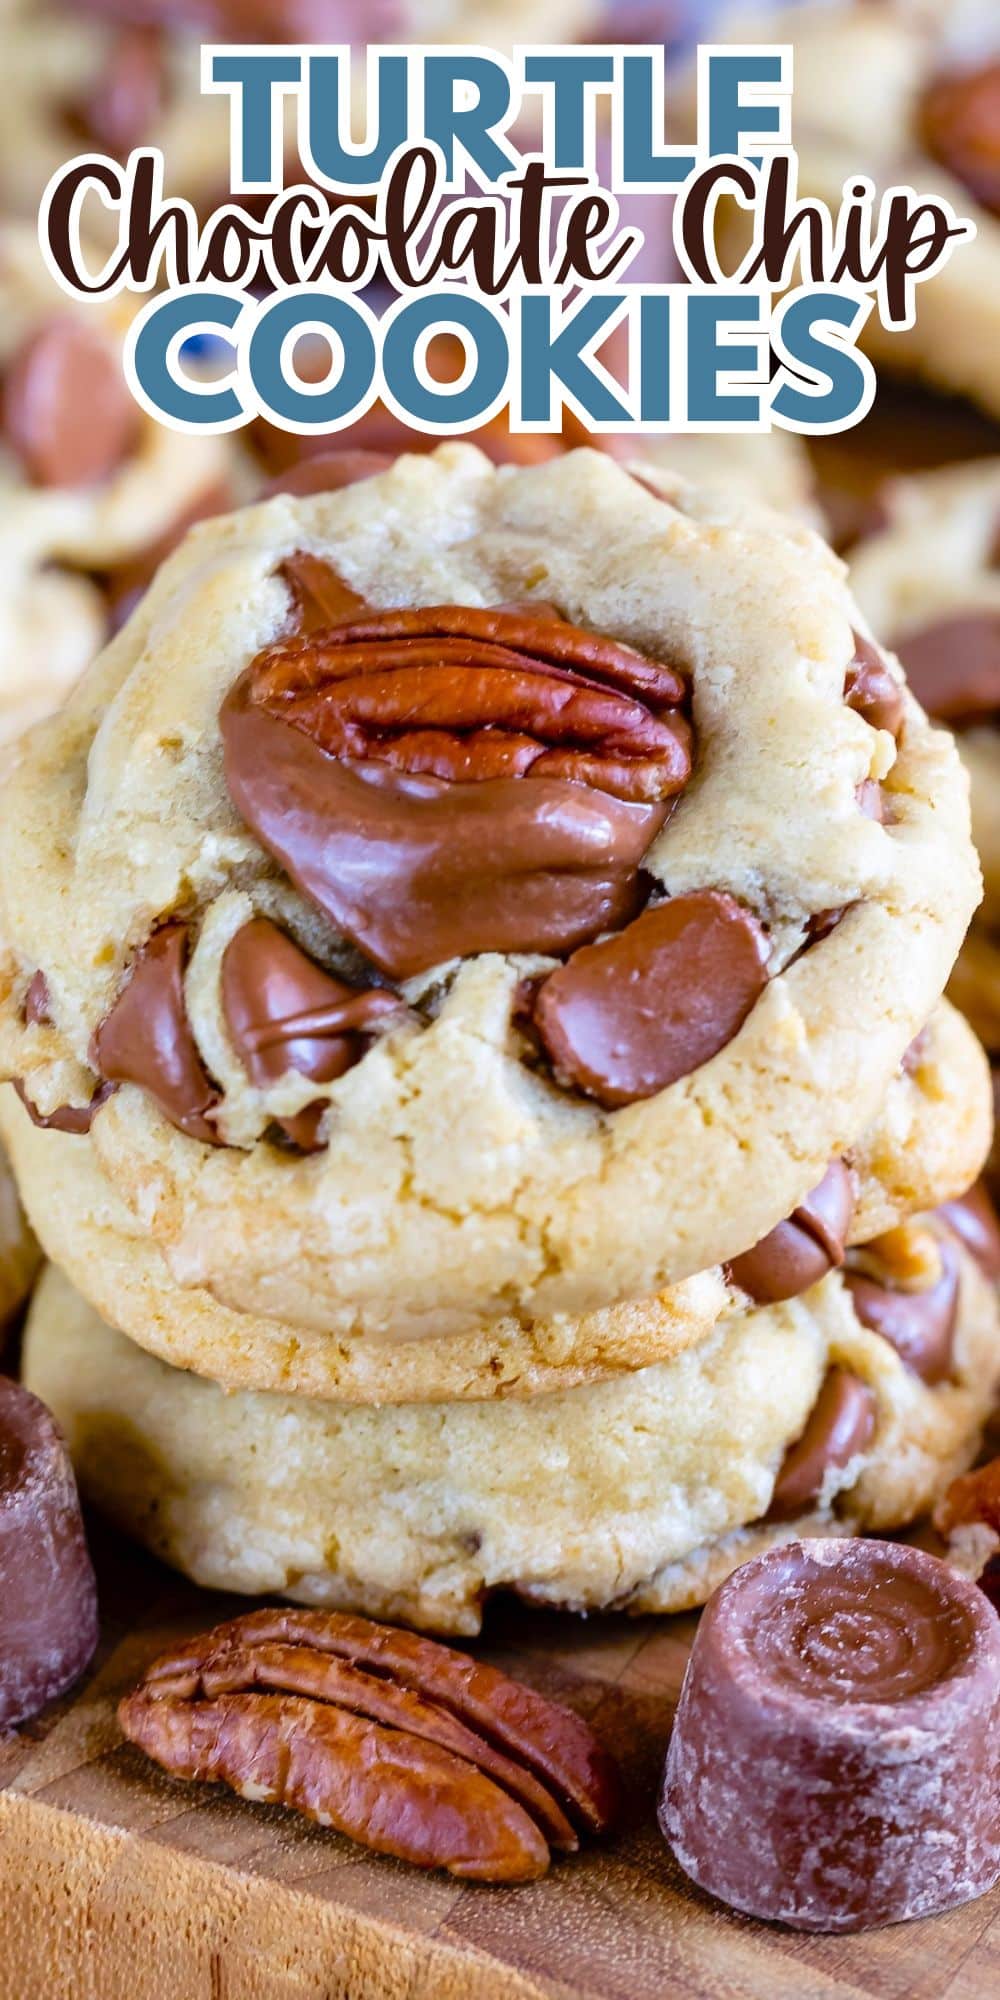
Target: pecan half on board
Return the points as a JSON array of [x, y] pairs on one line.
[[449, 780], [405, 1745]]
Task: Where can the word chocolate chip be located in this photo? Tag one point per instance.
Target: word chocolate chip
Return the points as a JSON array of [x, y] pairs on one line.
[[953, 666], [841, 1424], [285, 1012], [799, 1252], [626, 1017], [404, 1745], [450, 780], [835, 1760], [67, 412], [146, 1037]]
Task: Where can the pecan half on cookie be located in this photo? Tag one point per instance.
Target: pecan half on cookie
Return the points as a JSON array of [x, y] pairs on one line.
[[403, 1744], [449, 780]]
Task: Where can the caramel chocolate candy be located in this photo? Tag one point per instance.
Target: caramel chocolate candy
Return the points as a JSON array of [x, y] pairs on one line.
[[626, 1017], [919, 1325], [49, 1626], [959, 122], [841, 1424], [973, 1219], [67, 412], [451, 780], [799, 1252], [953, 666], [146, 1037], [284, 1012], [835, 1758], [872, 690]]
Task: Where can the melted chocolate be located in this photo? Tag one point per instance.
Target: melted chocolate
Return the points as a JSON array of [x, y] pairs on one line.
[[871, 689], [283, 1012], [842, 1423], [146, 1038], [626, 1017], [919, 1325], [799, 1252], [973, 1219]]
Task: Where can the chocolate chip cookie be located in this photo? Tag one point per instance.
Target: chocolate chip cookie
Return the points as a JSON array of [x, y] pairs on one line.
[[493, 892], [846, 1409]]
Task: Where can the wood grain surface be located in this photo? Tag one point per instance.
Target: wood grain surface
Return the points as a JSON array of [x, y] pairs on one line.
[[121, 1884]]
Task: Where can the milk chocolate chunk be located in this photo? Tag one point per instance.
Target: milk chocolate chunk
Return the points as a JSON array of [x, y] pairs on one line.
[[36, 1001], [953, 666], [841, 1424], [973, 1219], [959, 122], [49, 1626], [146, 1037], [799, 1252], [835, 1757], [67, 412], [626, 1017], [329, 472], [285, 1012], [449, 780], [919, 1325], [871, 689]]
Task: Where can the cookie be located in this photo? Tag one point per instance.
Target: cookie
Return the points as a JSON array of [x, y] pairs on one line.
[[637, 1493], [930, 1139], [906, 95], [358, 1066], [930, 582], [20, 1256], [87, 481]]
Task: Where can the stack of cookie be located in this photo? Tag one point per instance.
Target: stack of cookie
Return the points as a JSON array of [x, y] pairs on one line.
[[473, 949]]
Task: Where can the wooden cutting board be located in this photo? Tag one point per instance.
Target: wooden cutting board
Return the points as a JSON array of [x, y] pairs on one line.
[[121, 1884]]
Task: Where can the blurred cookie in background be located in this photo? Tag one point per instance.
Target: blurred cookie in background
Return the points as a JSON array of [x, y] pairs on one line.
[[88, 482], [931, 580], [908, 93]]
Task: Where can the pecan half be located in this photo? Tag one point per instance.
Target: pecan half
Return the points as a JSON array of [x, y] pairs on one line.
[[403, 1744], [450, 780]]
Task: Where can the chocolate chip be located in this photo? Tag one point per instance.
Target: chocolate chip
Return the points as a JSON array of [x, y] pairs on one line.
[[67, 412], [799, 1252], [36, 1002], [953, 666], [626, 1017], [71, 1118], [146, 1038], [919, 1325], [973, 1219], [871, 689], [285, 1012], [842, 1423]]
